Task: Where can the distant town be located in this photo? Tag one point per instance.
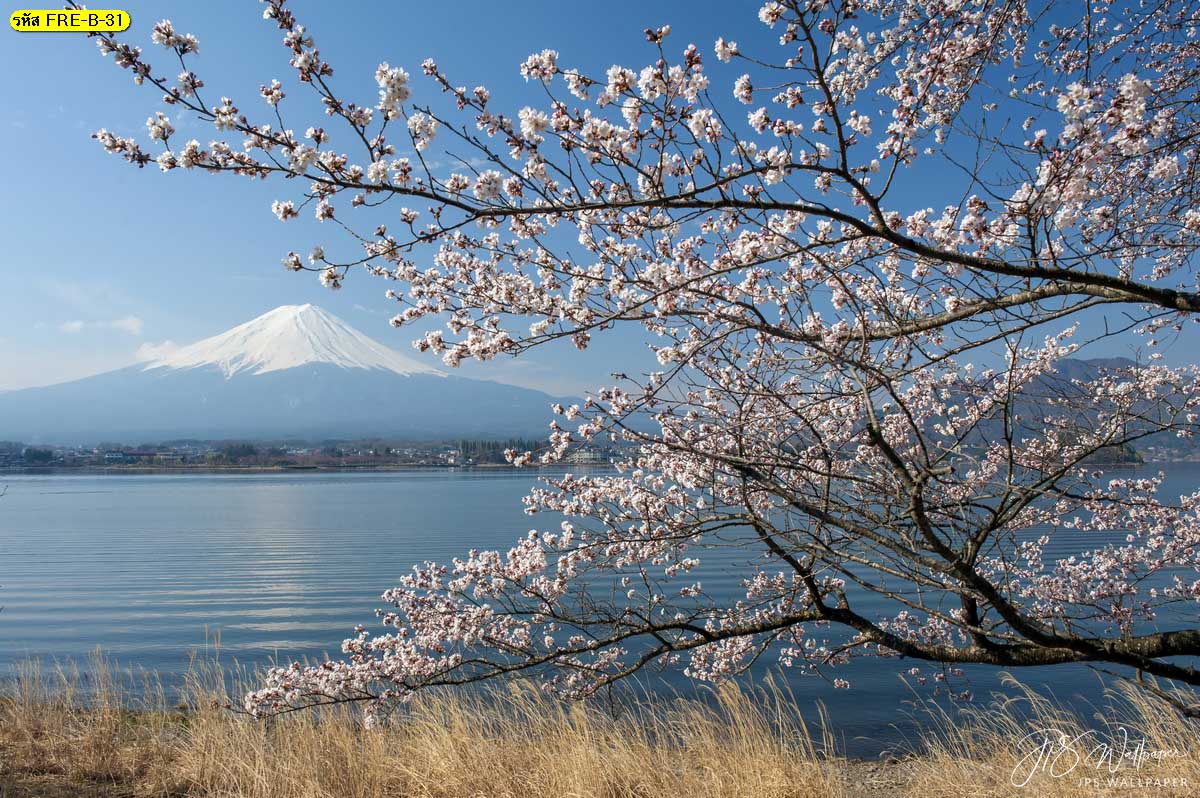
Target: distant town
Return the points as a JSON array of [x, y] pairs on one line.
[[195, 454], [376, 453]]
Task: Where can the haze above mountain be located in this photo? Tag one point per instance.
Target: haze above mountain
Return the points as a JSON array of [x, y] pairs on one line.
[[297, 371]]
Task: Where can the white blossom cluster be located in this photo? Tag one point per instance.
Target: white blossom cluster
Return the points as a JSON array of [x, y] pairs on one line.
[[393, 90]]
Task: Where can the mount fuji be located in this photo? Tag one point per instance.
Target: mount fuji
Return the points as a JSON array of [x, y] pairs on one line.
[[295, 372]]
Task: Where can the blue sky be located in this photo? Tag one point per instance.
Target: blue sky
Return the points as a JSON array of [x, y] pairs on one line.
[[102, 259]]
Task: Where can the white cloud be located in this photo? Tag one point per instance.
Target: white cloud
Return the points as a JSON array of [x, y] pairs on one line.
[[129, 324], [148, 351]]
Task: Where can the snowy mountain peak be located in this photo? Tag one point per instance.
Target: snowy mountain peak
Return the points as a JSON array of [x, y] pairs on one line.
[[287, 337]]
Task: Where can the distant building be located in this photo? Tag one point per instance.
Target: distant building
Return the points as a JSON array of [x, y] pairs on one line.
[[588, 456]]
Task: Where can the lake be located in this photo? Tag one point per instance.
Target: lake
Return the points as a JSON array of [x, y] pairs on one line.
[[148, 567]]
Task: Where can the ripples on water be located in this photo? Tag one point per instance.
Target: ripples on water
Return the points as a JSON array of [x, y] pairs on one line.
[[149, 567]]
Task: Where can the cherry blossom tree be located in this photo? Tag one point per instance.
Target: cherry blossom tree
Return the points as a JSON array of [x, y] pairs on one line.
[[861, 389]]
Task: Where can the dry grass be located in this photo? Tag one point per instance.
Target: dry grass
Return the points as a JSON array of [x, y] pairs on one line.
[[988, 752], [58, 740], [516, 744]]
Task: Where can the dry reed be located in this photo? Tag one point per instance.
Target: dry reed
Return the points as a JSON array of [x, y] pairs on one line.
[[516, 743], [62, 734]]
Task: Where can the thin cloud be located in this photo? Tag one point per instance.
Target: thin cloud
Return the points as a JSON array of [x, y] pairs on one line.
[[128, 324], [158, 351], [84, 296]]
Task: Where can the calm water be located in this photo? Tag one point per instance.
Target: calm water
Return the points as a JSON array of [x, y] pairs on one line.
[[149, 567]]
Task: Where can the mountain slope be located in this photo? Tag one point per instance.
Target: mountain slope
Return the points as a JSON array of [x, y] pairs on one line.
[[296, 372]]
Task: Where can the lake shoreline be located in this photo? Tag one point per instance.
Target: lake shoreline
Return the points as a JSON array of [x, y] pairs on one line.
[[61, 737], [257, 469], [381, 468]]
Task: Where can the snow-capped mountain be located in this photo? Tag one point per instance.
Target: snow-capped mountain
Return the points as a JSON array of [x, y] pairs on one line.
[[295, 372], [287, 337]]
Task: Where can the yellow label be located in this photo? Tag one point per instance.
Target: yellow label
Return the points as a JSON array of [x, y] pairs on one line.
[[87, 20]]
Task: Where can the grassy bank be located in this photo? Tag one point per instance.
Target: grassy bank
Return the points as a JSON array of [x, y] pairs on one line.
[[55, 741]]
